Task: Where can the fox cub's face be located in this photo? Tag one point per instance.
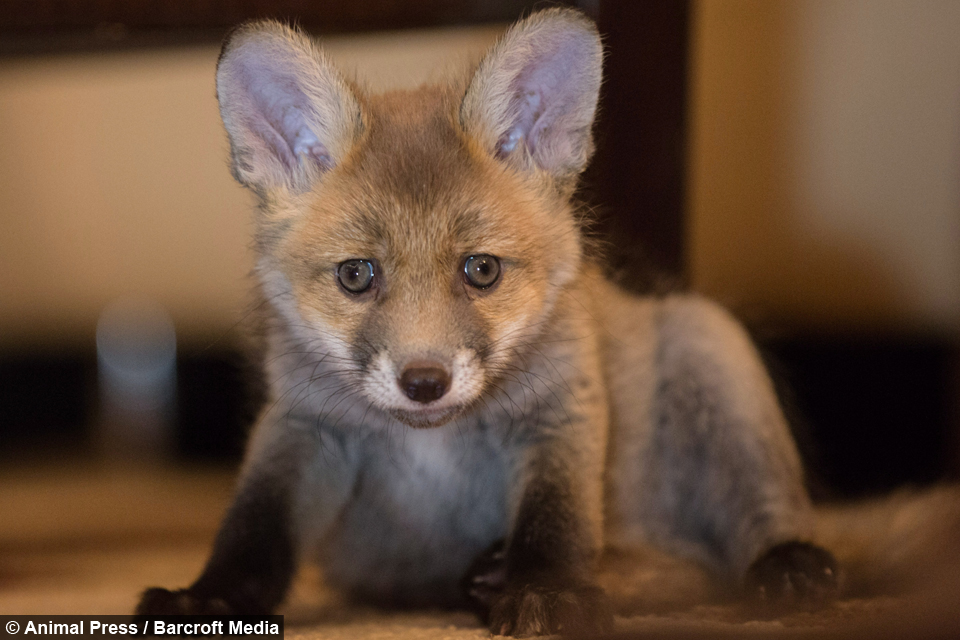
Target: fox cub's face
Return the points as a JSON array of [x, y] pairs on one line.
[[423, 235]]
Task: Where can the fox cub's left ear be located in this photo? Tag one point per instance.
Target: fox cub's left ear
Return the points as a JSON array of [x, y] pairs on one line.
[[534, 95], [288, 112]]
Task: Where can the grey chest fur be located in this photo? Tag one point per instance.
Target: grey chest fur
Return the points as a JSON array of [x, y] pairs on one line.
[[425, 503]]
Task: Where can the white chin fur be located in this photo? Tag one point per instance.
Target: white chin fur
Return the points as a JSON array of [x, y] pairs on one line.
[[381, 387]]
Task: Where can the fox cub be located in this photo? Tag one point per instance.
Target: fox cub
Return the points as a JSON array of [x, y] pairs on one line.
[[462, 412]]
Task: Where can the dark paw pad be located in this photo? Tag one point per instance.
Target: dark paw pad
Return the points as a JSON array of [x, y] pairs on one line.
[[532, 610], [795, 574], [486, 579], [161, 602]]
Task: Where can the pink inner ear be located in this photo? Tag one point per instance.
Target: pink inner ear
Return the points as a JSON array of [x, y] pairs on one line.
[[276, 111], [545, 93]]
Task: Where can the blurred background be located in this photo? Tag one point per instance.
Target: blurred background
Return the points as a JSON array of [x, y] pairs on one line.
[[798, 160]]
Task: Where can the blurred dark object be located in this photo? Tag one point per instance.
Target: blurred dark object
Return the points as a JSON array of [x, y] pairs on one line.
[[329, 15], [637, 180], [48, 404], [870, 414], [218, 395], [47, 400], [37, 26]]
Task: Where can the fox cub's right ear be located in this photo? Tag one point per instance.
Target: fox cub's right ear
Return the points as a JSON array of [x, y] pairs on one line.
[[289, 114]]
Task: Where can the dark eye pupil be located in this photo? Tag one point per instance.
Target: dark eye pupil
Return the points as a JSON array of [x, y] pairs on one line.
[[482, 270], [355, 275]]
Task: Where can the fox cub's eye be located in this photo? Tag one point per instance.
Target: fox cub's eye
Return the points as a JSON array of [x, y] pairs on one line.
[[481, 271], [355, 276]]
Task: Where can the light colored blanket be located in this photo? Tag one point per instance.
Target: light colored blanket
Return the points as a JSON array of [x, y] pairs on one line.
[[81, 539]]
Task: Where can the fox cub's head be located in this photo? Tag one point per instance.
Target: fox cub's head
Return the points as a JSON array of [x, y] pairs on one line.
[[416, 240]]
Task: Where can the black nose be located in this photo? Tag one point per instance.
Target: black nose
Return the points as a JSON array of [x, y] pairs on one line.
[[424, 382]]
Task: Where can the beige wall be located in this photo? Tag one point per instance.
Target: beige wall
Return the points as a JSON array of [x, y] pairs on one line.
[[825, 164], [825, 158]]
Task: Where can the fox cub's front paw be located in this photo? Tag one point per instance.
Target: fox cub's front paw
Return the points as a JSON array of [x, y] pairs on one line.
[[161, 602], [793, 574], [534, 610], [486, 579]]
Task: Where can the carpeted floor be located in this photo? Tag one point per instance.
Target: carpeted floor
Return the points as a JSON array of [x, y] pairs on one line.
[[82, 539]]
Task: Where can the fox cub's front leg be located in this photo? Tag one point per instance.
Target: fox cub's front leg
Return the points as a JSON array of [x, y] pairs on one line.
[[541, 580], [252, 563], [256, 550], [549, 577]]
